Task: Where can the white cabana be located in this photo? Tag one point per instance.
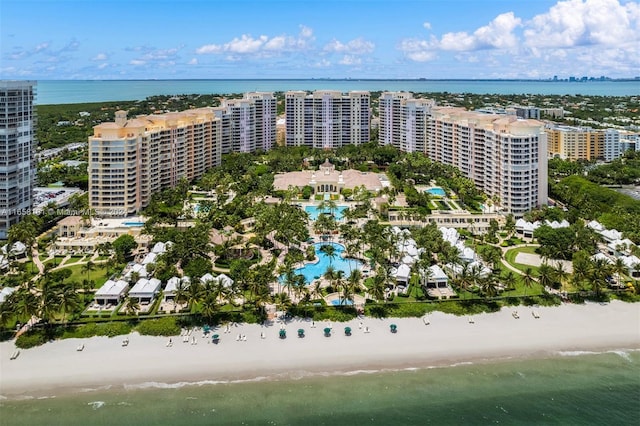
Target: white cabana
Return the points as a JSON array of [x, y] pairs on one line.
[[611, 235], [602, 256], [138, 268], [402, 275], [172, 286], [224, 280], [596, 226], [150, 258], [436, 283], [633, 265], [111, 292], [145, 290], [206, 278]]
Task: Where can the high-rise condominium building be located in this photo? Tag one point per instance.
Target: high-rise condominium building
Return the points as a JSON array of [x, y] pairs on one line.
[[327, 119], [17, 150], [129, 160], [403, 121], [506, 157], [617, 142], [575, 143], [250, 123]]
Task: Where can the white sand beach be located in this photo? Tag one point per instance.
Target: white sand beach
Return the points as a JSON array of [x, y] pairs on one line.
[[446, 340]]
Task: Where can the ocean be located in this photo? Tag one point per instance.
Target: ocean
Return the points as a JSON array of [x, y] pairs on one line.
[[570, 388], [80, 91]]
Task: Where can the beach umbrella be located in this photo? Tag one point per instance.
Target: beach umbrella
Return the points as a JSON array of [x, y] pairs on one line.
[[283, 333], [394, 328], [206, 329], [215, 338], [347, 331], [327, 332], [301, 332]]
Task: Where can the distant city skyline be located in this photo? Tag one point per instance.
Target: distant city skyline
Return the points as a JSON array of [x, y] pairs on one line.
[[400, 39]]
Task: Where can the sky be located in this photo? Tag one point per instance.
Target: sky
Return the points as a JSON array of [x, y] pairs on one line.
[[386, 39]]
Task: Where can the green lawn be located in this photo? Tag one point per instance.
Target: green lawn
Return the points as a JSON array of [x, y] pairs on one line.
[[510, 257], [98, 275]]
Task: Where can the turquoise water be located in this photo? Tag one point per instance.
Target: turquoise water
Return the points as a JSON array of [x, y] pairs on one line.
[[600, 389], [343, 302], [436, 191], [77, 91], [314, 212], [312, 271], [133, 223]]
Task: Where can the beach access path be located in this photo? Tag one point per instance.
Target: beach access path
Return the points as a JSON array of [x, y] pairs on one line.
[[446, 340]]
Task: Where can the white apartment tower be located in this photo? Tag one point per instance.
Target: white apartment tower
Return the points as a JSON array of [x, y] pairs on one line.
[[131, 159], [403, 121], [249, 123], [506, 157], [17, 150], [327, 119]]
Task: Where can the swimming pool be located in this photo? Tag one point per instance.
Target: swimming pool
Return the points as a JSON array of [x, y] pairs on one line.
[[314, 271], [314, 211], [133, 223], [341, 302], [437, 191]]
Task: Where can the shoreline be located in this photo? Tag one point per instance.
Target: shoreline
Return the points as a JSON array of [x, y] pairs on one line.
[[57, 367]]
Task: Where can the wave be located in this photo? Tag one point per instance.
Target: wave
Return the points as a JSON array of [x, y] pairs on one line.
[[96, 404], [622, 353], [99, 388]]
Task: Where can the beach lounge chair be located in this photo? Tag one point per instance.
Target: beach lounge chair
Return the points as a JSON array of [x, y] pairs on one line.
[[535, 314], [366, 330], [15, 355], [125, 342], [515, 314], [80, 348], [471, 321], [425, 320]]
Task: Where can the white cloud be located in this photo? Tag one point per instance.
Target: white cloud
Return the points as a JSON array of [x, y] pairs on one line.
[[323, 63], [103, 65], [137, 62], [193, 61], [350, 60], [262, 45], [585, 22], [498, 34], [358, 46], [100, 57], [427, 25], [419, 50]]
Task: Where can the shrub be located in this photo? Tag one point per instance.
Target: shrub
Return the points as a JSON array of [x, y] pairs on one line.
[[159, 327], [338, 314], [31, 339]]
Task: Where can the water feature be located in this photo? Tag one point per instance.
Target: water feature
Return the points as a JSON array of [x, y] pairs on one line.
[[314, 211], [437, 191], [314, 271]]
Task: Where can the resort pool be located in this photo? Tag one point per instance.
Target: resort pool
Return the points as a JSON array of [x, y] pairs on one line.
[[314, 211], [437, 191], [133, 223], [340, 302], [314, 271]]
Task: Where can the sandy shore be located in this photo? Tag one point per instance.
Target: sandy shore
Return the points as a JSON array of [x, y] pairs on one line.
[[448, 339]]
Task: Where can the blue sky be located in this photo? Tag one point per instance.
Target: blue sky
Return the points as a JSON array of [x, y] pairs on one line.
[[138, 39]]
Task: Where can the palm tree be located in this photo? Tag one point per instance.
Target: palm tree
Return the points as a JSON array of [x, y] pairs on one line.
[[282, 301], [489, 286], [509, 279], [209, 305], [69, 300], [347, 292], [194, 294], [329, 250], [528, 279], [619, 267], [49, 301], [546, 275], [26, 303], [355, 278], [88, 267], [561, 275], [131, 305], [378, 286]]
